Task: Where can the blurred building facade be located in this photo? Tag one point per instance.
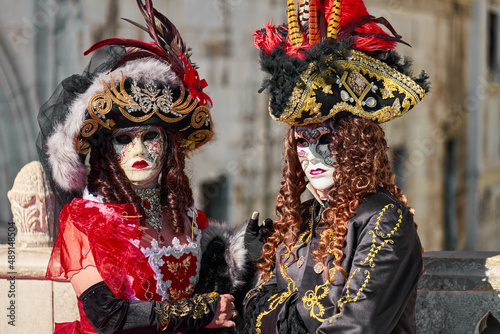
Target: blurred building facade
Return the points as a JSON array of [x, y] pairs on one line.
[[445, 152]]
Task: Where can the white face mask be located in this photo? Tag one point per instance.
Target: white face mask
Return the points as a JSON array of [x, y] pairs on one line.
[[314, 148], [140, 152]]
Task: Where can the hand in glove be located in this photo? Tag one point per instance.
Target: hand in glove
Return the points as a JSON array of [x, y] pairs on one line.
[[256, 235]]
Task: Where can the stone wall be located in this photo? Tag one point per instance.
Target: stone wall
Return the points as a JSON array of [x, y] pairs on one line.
[[29, 301]]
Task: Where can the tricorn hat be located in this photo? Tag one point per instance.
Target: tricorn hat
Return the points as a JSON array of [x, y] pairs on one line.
[[333, 59]]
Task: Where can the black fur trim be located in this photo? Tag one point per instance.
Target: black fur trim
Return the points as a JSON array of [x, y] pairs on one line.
[[225, 268], [285, 72]]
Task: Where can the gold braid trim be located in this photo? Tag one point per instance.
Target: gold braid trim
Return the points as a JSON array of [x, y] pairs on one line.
[[280, 297], [196, 308]]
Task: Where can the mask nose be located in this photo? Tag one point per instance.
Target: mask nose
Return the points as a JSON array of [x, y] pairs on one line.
[[138, 149], [312, 156]]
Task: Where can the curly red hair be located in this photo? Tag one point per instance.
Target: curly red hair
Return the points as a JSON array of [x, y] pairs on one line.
[[361, 166], [108, 179]]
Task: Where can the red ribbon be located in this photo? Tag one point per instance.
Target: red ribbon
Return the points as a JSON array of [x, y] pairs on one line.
[[195, 84]]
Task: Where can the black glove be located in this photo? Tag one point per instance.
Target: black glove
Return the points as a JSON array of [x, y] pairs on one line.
[[109, 314], [256, 235]]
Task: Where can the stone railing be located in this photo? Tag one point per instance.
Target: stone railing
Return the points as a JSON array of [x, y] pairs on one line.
[[29, 302], [459, 292]]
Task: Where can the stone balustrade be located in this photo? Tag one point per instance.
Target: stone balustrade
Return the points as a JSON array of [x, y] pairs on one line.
[[28, 300]]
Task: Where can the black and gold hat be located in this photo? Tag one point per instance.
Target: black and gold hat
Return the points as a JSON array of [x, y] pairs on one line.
[[143, 92], [332, 60], [127, 83]]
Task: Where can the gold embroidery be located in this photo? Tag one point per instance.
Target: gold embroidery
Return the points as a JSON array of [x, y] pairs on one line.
[[358, 68], [173, 267], [195, 307], [386, 239], [280, 297], [257, 289], [176, 293], [150, 101], [311, 299], [347, 298]]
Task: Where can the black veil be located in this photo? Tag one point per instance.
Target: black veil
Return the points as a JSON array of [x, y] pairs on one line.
[[54, 112]]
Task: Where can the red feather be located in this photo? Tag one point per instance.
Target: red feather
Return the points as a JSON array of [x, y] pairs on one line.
[[268, 38], [327, 9], [373, 37]]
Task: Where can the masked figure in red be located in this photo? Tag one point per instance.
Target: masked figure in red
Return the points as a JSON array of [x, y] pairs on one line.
[[114, 141]]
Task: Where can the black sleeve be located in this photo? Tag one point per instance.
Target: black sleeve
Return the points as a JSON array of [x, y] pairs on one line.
[[109, 314]]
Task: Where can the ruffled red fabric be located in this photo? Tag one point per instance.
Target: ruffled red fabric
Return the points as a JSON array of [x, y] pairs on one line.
[[112, 230], [67, 328]]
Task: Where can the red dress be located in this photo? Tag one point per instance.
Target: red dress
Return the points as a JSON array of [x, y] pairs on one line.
[[111, 232]]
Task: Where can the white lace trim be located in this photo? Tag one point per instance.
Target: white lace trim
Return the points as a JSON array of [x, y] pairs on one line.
[[155, 254], [91, 197]]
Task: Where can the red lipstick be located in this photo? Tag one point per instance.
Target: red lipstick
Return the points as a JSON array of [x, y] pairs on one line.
[[317, 171], [140, 164]]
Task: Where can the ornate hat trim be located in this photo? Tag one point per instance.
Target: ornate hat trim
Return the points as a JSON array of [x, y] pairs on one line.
[[361, 85]]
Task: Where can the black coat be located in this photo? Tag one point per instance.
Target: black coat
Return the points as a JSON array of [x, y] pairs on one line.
[[383, 259]]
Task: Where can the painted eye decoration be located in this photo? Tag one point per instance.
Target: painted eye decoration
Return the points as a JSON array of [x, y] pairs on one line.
[[315, 134], [329, 160], [301, 142], [325, 139]]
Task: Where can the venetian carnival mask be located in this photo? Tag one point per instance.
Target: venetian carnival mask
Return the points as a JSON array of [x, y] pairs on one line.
[[314, 149], [140, 152]]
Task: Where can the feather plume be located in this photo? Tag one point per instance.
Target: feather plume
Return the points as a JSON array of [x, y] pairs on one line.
[[167, 46], [304, 15], [369, 36], [268, 38], [314, 31], [333, 11], [295, 33]]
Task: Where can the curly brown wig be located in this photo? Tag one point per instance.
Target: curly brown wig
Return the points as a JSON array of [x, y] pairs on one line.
[[108, 179], [361, 166]]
